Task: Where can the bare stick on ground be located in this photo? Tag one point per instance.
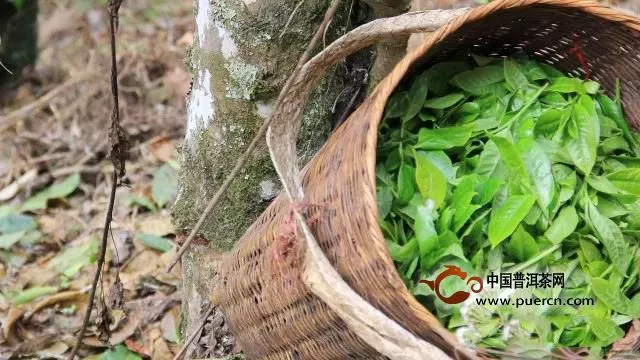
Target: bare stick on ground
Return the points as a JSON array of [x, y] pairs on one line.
[[258, 136], [195, 334], [117, 154]]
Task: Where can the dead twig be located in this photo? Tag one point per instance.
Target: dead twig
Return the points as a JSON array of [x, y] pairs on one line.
[[258, 136], [195, 334], [293, 13], [117, 154]]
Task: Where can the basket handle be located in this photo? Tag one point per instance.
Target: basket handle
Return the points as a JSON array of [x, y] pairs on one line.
[[382, 333], [286, 116]]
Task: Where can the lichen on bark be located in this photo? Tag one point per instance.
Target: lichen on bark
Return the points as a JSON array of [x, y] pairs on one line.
[[239, 63]]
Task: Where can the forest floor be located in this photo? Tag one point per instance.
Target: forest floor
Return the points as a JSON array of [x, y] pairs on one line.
[[55, 180]]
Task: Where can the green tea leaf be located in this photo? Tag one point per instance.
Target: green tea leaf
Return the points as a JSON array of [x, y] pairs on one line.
[[549, 121], [431, 182], [443, 138], [563, 225], [477, 81], [554, 99], [606, 330], [582, 149], [406, 178], [439, 75], [444, 101], [397, 105], [487, 190], [470, 108], [417, 96], [165, 185], [566, 85], [613, 144], [511, 157], [514, 76], [534, 71], [591, 87], [609, 234], [590, 251], [443, 163], [627, 180], [489, 159], [603, 185], [538, 167], [522, 246], [385, 200], [426, 117], [425, 231], [611, 295], [56, 191], [155, 242], [405, 252], [613, 111], [461, 202], [506, 218]]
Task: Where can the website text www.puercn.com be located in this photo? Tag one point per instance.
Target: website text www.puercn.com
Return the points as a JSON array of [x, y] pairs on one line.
[[535, 301]]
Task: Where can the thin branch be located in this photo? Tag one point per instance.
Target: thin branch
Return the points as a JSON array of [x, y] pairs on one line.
[[293, 13], [195, 334], [258, 136], [6, 68], [96, 277], [117, 155]]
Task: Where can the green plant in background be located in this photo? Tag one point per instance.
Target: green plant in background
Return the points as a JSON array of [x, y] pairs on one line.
[[508, 165], [19, 4]]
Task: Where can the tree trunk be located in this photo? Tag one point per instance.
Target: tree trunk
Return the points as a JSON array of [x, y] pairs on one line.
[[243, 52]]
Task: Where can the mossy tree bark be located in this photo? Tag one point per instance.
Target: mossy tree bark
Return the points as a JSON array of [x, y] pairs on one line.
[[243, 52]]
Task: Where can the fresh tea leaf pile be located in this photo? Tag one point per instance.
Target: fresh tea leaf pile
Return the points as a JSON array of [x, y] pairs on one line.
[[507, 165]]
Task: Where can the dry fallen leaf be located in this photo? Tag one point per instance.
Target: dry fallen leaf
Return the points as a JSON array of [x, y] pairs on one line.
[[630, 344], [143, 264], [186, 39], [162, 148], [116, 294], [54, 351], [169, 324], [61, 21], [159, 348], [157, 224], [24, 94], [62, 297], [135, 347], [12, 189], [178, 80], [35, 344], [13, 316]]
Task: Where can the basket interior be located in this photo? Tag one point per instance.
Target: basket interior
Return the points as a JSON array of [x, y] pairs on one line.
[[558, 37]]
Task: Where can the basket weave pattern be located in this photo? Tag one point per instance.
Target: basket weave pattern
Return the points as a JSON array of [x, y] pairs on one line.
[[272, 313]]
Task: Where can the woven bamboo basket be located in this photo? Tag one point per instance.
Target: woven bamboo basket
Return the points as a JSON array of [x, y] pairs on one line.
[[271, 312]]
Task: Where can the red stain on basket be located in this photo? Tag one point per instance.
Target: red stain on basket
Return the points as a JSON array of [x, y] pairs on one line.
[[576, 50], [286, 248]]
